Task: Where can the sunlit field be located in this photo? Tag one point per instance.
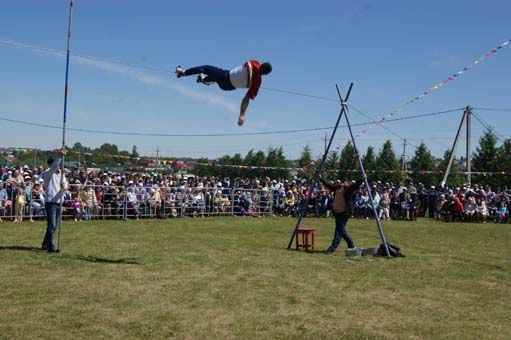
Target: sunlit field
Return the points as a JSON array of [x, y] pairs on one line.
[[233, 278]]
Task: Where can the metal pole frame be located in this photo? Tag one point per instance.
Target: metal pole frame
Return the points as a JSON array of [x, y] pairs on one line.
[[320, 168], [62, 165], [376, 217]]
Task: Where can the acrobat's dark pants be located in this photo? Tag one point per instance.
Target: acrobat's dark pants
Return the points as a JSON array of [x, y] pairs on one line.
[[213, 75], [341, 232]]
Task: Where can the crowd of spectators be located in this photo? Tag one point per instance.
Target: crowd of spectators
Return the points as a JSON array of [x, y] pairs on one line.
[[133, 195]]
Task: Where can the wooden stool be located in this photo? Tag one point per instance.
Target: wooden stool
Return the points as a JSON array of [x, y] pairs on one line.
[[305, 232]]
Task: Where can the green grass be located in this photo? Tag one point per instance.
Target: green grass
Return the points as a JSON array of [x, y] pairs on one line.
[[232, 278]]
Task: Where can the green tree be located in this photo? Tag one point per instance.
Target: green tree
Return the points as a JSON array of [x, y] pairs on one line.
[[237, 171], [455, 178], [258, 162], [332, 162], [224, 170], [504, 161], [134, 152], [284, 163], [305, 161], [203, 169], [369, 162], [485, 158], [423, 160], [106, 155], [249, 157], [348, 161], [108, 148], [78, 147], [276, 158], [389, 169]]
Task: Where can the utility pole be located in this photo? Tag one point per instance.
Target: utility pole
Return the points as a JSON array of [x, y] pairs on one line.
[[157, 157], [455, 144], [403, 157], [469, 146]]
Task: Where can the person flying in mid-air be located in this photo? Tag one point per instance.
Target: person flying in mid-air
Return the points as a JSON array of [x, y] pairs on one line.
[[247, 75]]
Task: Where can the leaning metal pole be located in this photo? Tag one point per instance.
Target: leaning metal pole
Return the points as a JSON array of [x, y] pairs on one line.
[[62, 165], [376, 217], [318, 170], [468, 118], [453, 149]]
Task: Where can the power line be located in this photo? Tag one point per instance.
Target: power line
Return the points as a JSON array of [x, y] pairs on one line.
[[300, 94], [220, 134], [384, 127], [491, 109], [295, 93], [161, 70], [487, 127]]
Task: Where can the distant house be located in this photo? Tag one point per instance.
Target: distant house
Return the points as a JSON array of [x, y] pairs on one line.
[[179, 165]]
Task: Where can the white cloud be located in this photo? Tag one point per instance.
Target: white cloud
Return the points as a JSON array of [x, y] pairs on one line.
[[132, 72]]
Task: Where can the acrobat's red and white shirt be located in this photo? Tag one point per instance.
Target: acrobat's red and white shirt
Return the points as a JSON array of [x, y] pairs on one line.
[[247, 76]]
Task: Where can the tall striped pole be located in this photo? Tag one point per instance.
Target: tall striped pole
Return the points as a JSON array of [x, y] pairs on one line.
[[62, 190]]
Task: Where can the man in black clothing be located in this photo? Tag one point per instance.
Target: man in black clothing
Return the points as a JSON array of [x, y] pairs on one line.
[[343, 193]]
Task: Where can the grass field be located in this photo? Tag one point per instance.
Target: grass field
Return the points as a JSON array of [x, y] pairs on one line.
[[232, 278]]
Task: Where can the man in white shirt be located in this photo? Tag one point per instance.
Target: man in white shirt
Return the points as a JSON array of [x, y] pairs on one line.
[[53, 195]]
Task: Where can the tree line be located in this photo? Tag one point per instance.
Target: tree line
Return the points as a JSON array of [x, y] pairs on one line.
[[382, 164]]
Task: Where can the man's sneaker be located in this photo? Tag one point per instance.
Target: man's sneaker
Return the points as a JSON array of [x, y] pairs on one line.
[[179, 71], [353, 251]]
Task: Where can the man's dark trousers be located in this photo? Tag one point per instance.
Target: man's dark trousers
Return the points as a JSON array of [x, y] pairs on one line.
[[52, 217], [341, 232]]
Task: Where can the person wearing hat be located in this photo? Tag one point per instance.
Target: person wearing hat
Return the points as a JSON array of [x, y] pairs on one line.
[[343, 193], [54, 190]]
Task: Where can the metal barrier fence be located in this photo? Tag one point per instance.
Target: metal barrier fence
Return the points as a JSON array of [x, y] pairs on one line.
[[85, 202]]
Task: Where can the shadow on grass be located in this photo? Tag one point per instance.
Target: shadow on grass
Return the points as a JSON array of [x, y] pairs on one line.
[[309, 252], [20, 248], [479, 263], [96, 259], [74, 257]]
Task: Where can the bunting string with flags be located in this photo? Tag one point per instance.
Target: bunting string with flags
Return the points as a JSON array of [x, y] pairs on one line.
[[307, 169], [437, 86]]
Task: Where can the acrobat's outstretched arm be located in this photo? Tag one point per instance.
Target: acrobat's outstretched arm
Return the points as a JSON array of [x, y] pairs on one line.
[[243, 109]]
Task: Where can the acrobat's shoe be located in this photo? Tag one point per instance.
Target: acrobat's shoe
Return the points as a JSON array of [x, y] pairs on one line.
[[179, 71], [200, 78]]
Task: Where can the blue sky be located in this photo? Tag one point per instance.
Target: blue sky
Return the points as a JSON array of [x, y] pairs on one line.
[[391, 50]]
